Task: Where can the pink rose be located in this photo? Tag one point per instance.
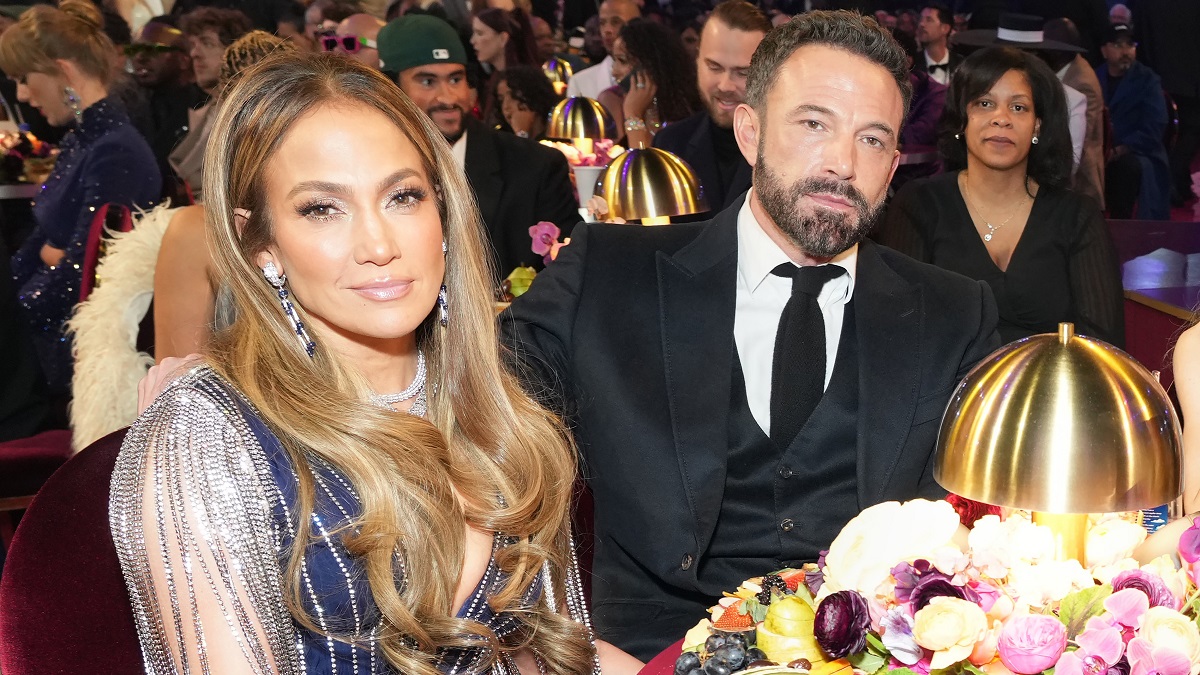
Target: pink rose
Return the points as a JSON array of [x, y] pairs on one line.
[[1033, 643]]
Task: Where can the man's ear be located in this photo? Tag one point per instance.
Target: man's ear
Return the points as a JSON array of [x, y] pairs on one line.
[[746, 130]]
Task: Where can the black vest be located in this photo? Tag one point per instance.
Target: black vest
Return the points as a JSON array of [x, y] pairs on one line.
[[782, 509]]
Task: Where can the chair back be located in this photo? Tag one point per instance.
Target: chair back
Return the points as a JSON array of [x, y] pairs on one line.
[[108, 217], [1171, 134], [64, 607]]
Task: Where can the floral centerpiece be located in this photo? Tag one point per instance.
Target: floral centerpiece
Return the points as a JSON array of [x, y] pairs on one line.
[[544, 237], [601, 153], [907, 588], [24, 158]]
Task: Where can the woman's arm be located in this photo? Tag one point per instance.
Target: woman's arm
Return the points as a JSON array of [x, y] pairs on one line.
[[642, 91], [614, 661], [1187, 387], [184, 300]]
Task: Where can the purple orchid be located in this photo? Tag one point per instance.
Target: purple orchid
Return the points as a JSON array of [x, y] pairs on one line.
[[545, 236], [1101, 647], [1189, 542]]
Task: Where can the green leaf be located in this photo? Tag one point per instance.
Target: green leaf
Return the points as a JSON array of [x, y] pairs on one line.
[[756, 610], [875, 644], [903, 671], [867, 661], [972, 669], [1078, 607], [803, 594]]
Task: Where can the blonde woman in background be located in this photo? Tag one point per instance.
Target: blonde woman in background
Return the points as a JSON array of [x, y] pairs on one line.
[[351, 481]]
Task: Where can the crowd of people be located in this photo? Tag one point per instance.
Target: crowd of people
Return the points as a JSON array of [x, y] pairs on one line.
[[366, 469]]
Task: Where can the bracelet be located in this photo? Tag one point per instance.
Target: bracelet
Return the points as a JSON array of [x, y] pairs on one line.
[[634, 124]]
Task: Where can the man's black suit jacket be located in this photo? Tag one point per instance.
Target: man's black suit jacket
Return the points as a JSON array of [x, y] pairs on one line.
[[692, 140], [632, 328], [517, 183]]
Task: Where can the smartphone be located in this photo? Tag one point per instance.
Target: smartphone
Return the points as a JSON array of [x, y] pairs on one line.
[[627, 82]]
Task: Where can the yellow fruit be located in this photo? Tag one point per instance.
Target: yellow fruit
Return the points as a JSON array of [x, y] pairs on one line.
[[790, 616], [787, 648], [520, 279]]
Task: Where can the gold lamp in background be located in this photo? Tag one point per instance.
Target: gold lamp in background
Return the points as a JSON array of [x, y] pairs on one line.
[[559, 73], [651, 185], [580, 120], [1064, 426]]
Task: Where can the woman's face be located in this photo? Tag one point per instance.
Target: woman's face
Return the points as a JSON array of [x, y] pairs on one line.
[[488, 44], [623, 63], [1001, 124], [47, 93], [356, 226]]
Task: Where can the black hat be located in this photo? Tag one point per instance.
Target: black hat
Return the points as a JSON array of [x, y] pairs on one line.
[[1023, 31], [1117, 32]]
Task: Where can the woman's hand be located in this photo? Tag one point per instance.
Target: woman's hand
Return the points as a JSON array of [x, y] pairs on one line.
[[52, 256], [162, 375], [641, 94], [522, 120]]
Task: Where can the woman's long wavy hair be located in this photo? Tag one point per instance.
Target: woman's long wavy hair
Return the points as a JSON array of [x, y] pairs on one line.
[[659, 51], [1050, 159], [488, 455]]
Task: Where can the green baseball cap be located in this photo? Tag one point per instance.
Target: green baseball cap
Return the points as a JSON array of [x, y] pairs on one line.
[[418, 40]]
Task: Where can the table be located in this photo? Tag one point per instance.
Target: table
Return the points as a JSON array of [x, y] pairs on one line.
[[664, 663]]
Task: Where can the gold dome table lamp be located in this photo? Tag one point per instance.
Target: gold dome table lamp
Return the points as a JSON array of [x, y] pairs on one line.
[[1062, 425], [651, 185], [559, 72], [580, 121]]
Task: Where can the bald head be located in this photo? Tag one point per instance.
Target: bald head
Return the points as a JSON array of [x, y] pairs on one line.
[[364, 28], [613, 15]]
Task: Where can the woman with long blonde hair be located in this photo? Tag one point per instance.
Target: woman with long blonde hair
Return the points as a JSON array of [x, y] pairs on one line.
[[278, 509]]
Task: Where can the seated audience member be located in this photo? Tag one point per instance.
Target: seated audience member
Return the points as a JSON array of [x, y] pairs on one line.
[[162, 67], [1138, 112], [1076, 73], [290, 26], [928, 99], [355, 37], [548, 46], [517, 182], [323, 16], [186, 287], [1119, 14], [906, 22], [262, 14], [591, 81], [62, 62], [886, 19], [1003, 214], [209, 30], [526, 98], [711, 458], [501, 39], [689, 34], [656, 83], [593, 43], [933, 34], [705, 140]]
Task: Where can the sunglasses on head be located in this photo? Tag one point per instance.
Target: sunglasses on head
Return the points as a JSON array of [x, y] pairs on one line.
[[348, 43]]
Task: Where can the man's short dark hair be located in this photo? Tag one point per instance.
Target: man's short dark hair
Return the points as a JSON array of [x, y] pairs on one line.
[[841, 29], [943, 13], [741, 15], [227, 24]]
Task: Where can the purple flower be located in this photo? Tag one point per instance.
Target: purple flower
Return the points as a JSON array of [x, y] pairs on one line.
[[814, 579], [1150, 584], [544, 235], [907, 576], [1189, 542], [897, 635], [841, 624], [936, 584]]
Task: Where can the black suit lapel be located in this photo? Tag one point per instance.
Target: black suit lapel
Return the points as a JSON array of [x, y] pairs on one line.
[[697, 295], [888, 315], [482, 166]]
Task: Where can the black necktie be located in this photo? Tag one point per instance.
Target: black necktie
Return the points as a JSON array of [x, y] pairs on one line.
[[798, 366]]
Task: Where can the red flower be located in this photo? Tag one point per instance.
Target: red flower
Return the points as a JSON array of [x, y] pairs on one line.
[[969, 510]]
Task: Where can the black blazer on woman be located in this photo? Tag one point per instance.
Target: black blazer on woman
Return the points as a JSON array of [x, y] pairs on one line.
[[632, 328]]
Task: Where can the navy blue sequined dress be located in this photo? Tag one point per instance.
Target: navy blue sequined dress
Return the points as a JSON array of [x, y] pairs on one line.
[[102, 160]]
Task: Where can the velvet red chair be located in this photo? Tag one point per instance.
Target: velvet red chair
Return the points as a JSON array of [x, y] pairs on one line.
[[27, 463], [63, 603], [108, 217]]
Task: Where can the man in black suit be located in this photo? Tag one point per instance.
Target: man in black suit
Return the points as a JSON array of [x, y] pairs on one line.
[[933, 34], [705, 140], [517, 182], [733, 420]]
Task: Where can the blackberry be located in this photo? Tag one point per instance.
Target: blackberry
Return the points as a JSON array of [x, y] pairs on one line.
[[771, 582]]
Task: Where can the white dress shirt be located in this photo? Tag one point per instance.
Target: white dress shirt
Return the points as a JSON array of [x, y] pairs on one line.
[[941, 75], [591, 81], [459, 151], [761, 297]]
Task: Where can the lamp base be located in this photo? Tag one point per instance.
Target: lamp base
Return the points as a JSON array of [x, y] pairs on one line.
[[1070, 534]]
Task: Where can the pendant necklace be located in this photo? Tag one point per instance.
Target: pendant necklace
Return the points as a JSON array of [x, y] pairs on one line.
[[986, 223]]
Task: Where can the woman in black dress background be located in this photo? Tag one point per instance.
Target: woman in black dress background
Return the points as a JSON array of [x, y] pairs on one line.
[[1002, 212]]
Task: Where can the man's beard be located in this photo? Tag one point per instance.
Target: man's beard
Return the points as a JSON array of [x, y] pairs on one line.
[[821, 232], [462, 127]]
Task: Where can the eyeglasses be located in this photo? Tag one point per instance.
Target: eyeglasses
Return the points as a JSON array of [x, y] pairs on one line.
[[145, 48], [348, 43]]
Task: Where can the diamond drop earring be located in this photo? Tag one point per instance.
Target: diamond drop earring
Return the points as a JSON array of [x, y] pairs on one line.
[[279, 282], [443, 307], [71, 98]]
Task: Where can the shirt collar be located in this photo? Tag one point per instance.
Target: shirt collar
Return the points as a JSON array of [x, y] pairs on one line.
[[944, 62], [758, 254], [459, 150]]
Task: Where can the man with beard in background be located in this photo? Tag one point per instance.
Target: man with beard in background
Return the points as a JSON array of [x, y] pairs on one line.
[[162, 67], [741, 388], [705, 140], [517, 182]]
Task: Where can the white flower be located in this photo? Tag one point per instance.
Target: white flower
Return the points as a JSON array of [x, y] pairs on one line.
[[1164, 627], [1113, 540], [997, 545], [872, 543], [1104, 574], [1048, 582]]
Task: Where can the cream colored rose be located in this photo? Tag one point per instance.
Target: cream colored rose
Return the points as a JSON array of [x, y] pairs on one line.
[[1048, 582], [1175, 578], [1113, 540], [950, 627], [996, 545], [869, 546], [1164, 627]]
